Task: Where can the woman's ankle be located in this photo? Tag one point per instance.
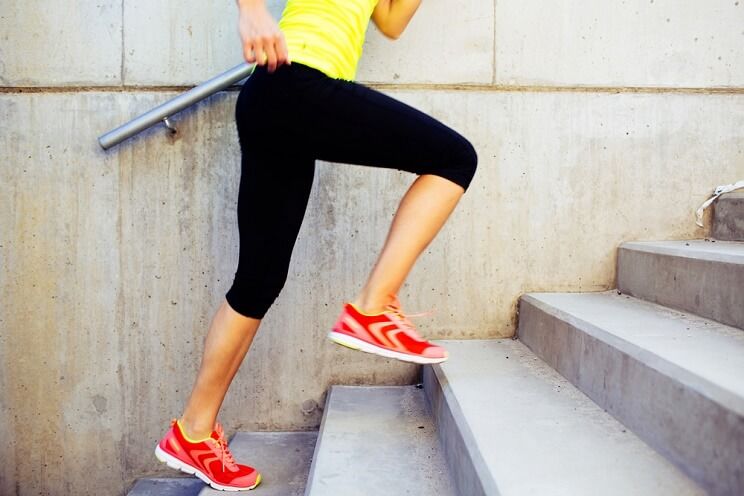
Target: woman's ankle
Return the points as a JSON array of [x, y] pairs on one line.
[[371, 305], [194, 431]]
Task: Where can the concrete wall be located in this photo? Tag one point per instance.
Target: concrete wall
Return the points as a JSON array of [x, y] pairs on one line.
[[593, 124]]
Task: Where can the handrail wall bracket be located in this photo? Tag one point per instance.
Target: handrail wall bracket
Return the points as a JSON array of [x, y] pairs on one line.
[[170, 126]]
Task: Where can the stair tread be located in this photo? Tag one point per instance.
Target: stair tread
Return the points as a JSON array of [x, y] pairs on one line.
[[283, 458], [737, 194], [167, 486], [714, 251], [378, 440], [700, 352], [533, 432]]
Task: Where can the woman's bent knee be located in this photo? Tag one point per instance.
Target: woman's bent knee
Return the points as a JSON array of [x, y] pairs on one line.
[[252, 299], [461, 165]]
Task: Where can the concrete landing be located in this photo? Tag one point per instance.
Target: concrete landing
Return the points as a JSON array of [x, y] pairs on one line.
[[283, 458], [702, 277], [672, 378], [524, 429], [378, 440], [728, 217]]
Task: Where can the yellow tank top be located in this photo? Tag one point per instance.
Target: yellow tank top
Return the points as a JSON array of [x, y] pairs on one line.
[[327, 34]]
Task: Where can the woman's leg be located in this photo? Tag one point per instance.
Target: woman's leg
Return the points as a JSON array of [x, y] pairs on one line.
[[275, 185], [229, 337], [422, 212], [270, 211], [352, 123]]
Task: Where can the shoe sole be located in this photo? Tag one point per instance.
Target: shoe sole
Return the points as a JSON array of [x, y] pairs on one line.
[[358, 344], [174, 462]]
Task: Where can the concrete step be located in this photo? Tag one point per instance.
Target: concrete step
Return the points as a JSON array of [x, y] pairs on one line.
[[728, 217], [511, 425], [167, 486], [674, 379], [377, 440], [283, 458], [702, 277]]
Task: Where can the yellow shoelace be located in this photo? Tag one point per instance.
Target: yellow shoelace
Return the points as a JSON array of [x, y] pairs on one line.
[[395, 308]]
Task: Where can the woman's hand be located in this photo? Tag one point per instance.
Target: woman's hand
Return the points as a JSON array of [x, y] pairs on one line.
[[263, 41]]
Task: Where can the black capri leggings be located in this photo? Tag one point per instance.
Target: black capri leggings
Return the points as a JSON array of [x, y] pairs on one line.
[[297, 114]]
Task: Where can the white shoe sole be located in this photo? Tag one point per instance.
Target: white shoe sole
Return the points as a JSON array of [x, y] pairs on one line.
[[358, 344], [174, 462]]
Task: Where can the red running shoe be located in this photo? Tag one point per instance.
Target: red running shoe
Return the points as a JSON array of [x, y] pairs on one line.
[[209, 459], [389, 334]]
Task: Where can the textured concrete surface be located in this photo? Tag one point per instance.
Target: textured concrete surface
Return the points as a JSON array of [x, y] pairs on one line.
[[169, 42], [532, 432], [378, 440], [702, 277], [523, 42], [443, 43], [62, 43], [195, 40], [160, 486], [469, 471], [728, 217], [176, 42], [620, 43], [112, 263], [283, 458], [672, 378]]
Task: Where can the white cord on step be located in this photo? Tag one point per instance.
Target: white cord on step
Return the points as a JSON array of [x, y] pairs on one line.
[[720, 190]]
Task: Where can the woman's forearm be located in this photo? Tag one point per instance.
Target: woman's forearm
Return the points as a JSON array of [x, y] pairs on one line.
[[250, 3], [400, 14]]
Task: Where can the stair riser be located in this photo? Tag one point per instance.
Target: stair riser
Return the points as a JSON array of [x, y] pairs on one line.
[[701, 437], [468, 471], [714, 290], [728, 218]]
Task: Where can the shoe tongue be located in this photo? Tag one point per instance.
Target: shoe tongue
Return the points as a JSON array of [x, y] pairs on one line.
[[217, 431], [393, 309], [397, 313]]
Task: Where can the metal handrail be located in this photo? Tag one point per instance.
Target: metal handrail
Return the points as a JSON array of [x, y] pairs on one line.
[[175, 105]]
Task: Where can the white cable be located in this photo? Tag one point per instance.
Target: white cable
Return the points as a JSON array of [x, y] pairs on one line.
[[720, 190]]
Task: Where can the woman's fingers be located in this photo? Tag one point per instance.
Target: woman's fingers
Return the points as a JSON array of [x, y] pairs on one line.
[[259, 53], [270, 54], [248, 53], [263, 41]]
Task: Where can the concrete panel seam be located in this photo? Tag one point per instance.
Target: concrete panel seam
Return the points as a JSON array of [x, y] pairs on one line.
[[493, 62], [123, 46], [407, 87]]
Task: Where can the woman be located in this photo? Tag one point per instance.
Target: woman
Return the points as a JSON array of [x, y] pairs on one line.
[[300, 105]]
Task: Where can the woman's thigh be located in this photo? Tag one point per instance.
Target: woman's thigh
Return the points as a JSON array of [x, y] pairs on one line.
[[345, 121]]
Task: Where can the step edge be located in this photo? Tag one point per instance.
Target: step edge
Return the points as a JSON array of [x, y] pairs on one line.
[[470, 443], [731, 195], [318, 442], [705, 387], [686, 252]]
